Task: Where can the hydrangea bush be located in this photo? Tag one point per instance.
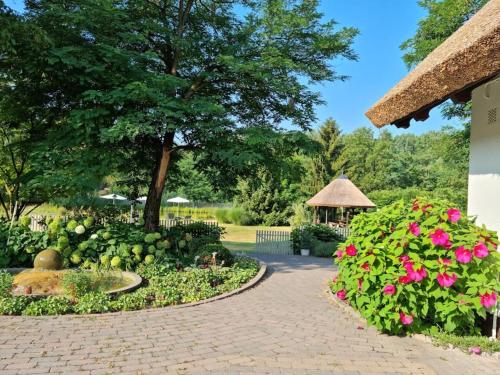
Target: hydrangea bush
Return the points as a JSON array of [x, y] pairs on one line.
[[419, 266]]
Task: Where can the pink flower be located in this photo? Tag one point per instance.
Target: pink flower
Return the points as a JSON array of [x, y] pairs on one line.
[[448, 245], [415, 206], [389, 290], [488, 299], [351, 250], [417, 275], [404, 258], [446, 280], [339, 254], [341, 294], [454, 215], [463, 255], [360, 283], [405, 319], [405, 279], [414, 229], [475, 350], [334, 279], [480, 250], [408, 266], [366, 266], [445, 261], [440, 238]]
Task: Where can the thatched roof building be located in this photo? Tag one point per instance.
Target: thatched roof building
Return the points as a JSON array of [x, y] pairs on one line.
[[467, 59], [341, 192]]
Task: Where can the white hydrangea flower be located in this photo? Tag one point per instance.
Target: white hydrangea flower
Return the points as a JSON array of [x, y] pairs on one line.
[[80, 229]]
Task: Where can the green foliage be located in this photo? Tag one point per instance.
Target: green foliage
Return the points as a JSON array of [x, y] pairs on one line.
[[313, 232], [51, 305], [323, 248], [165, 286], [13, 305], [94, 302], [223, 255], [222, 215], [239, 216], [386, 197], [443, 19], [6, 280], [77, 283], [301, 215], [466, 342], [115, 99], [397, 247]]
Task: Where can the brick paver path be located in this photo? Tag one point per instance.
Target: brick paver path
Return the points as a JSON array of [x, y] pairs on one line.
[[285, 325]]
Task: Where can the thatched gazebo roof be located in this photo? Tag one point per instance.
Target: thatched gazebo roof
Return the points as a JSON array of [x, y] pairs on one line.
[[468, 58], [341, 192]]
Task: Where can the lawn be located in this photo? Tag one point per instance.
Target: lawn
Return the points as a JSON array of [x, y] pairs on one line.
[[240, 238]]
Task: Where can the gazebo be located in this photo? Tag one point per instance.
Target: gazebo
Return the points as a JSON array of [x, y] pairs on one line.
[[340, 193]]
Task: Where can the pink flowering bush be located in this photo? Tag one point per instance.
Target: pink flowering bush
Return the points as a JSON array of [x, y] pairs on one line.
[[422, 266]]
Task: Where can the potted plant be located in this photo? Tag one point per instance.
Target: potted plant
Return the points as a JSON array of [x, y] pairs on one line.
[[306, 243]]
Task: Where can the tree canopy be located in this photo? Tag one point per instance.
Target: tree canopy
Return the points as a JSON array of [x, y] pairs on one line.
[[121, 80]]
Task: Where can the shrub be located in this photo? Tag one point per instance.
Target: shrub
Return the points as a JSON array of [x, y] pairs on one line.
[[222, 215], [94, 302], [318, 232], [52, 305], [77, 283], [239, 216], [223, 255], [13, 305], [5, 284], [301, 215], [323, 248], [410, 267]]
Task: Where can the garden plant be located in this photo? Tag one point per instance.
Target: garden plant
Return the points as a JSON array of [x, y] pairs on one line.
[[182, 264], [419, 267]]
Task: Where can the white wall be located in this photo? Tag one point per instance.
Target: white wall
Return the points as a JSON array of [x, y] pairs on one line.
[[484, 171]]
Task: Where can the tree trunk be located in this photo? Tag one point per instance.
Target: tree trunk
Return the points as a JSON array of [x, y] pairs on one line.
[[153, 202]]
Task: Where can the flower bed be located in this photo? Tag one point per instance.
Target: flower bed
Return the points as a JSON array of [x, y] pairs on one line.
[[164, 285], [419, 267]]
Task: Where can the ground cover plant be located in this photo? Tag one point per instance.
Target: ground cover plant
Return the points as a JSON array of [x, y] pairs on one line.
[[164, 285], [419, 267]]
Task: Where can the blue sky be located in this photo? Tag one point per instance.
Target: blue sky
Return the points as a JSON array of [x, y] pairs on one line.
[[383, 26]]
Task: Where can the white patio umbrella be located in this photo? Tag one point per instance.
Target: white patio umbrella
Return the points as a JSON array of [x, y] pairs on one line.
[[178, 200], [142, 199], [114, 197]]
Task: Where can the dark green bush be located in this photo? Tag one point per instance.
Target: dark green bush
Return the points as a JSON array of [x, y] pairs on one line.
[[222, 215], [319, 232], [223, 255], [5, 284], [323, 248]]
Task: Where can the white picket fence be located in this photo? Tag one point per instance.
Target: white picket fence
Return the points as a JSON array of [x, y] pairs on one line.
[[343, 232], [273, 242], [38, 222]]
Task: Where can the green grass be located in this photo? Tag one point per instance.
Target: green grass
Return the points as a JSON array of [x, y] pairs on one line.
[[239, 238], [240, 233], [466, 342]]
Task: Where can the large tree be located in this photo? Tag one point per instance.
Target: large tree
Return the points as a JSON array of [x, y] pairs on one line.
[[146, 79]]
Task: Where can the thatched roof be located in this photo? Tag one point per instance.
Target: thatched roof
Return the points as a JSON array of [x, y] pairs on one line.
[[341, 192], [468, 58]]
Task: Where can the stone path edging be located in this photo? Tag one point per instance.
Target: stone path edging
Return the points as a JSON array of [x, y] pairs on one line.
[[249, 284]]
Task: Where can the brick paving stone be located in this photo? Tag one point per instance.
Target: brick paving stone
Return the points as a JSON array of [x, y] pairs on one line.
[[284, 325]]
